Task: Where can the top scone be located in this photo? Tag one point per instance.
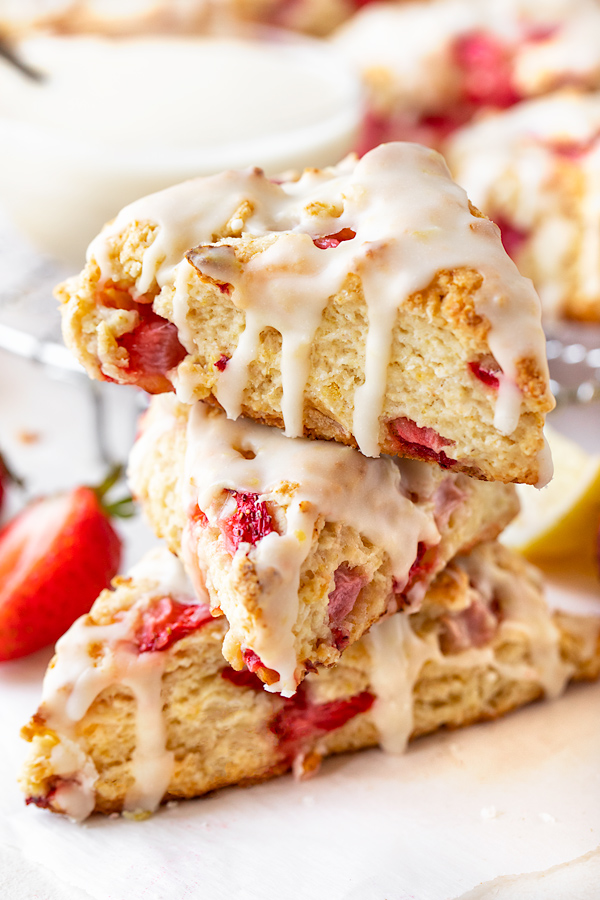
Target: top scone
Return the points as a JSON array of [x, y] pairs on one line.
[[368, 303]]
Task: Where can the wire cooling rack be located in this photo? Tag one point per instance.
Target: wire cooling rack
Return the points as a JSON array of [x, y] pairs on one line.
[[574, 362]]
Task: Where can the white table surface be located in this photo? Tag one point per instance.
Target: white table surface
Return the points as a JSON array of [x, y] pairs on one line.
[[460, 815]]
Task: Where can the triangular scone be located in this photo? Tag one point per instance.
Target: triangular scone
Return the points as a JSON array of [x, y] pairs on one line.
[[549, 222], [301, 544], [139, 705], [430, 68], [370, 304]]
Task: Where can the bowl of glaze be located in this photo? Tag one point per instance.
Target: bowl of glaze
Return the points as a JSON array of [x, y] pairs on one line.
[[114, 119]]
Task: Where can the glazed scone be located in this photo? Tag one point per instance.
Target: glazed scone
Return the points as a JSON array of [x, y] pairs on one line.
[[139, 705], [301, 544], [535, 169], [430, 67], [369, 304]]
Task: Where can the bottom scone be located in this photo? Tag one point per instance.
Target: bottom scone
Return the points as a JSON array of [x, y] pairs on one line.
[[139, 705]]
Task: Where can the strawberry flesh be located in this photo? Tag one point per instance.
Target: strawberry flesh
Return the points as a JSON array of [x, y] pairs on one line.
[[512, 237], [46, 801], [487, 376], [252, 660], [55, 558], [420, 443], [486, 66], [348, 585], [199, 518], [573, 150], [474, 626], [333, 240], [299, 720], [166, 621], [221, 363], [244, 678], [248, 524], [154, 349]]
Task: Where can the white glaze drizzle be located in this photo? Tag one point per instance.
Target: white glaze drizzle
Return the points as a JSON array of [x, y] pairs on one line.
[[410, 220], [398, 655], [330, 481], [511, 155], [77, 678], [524, 605]]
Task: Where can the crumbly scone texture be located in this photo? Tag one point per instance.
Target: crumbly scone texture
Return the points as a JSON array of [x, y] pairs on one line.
[[223, 733], [233, 579], [549, 223], [439, 343]]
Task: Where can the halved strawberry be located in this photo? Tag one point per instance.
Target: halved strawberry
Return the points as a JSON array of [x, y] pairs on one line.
[[55, 558], [6, 477]]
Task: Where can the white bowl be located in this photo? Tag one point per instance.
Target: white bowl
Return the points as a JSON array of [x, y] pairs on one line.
[[117, 119]]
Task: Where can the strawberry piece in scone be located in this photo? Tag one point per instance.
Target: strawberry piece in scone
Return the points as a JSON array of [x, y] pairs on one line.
[[301, 544], [126, 724], [347, 305]]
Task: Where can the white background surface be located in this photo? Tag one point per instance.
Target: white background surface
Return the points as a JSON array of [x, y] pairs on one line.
[[521, 795]]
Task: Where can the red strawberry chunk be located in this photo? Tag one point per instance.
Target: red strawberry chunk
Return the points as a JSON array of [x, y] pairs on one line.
[[252, 660], [486, 65], [45, 802], [422, 443], [299, 720], [333, 240], [55, 558], [249, 523], [424, 436], [446, 499], [489, 377], [348, 585], [418, 567], [221, 363], [166, 621], [244, 678], [472, 627], [512, 237], [153, 346], [198, 517]]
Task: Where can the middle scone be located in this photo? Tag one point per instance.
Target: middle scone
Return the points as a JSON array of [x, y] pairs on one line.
[[301, 544]]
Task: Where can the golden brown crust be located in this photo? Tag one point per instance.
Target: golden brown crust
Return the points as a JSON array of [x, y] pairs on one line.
[[220, 733]]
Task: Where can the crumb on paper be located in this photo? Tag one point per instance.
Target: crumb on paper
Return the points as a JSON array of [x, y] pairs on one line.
[[172, 804], [455, 753], [28, 437], [137, 815], [547, 817], [489, 812]]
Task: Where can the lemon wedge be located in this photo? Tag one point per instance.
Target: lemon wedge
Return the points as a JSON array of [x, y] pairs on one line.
[[558, 525]]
